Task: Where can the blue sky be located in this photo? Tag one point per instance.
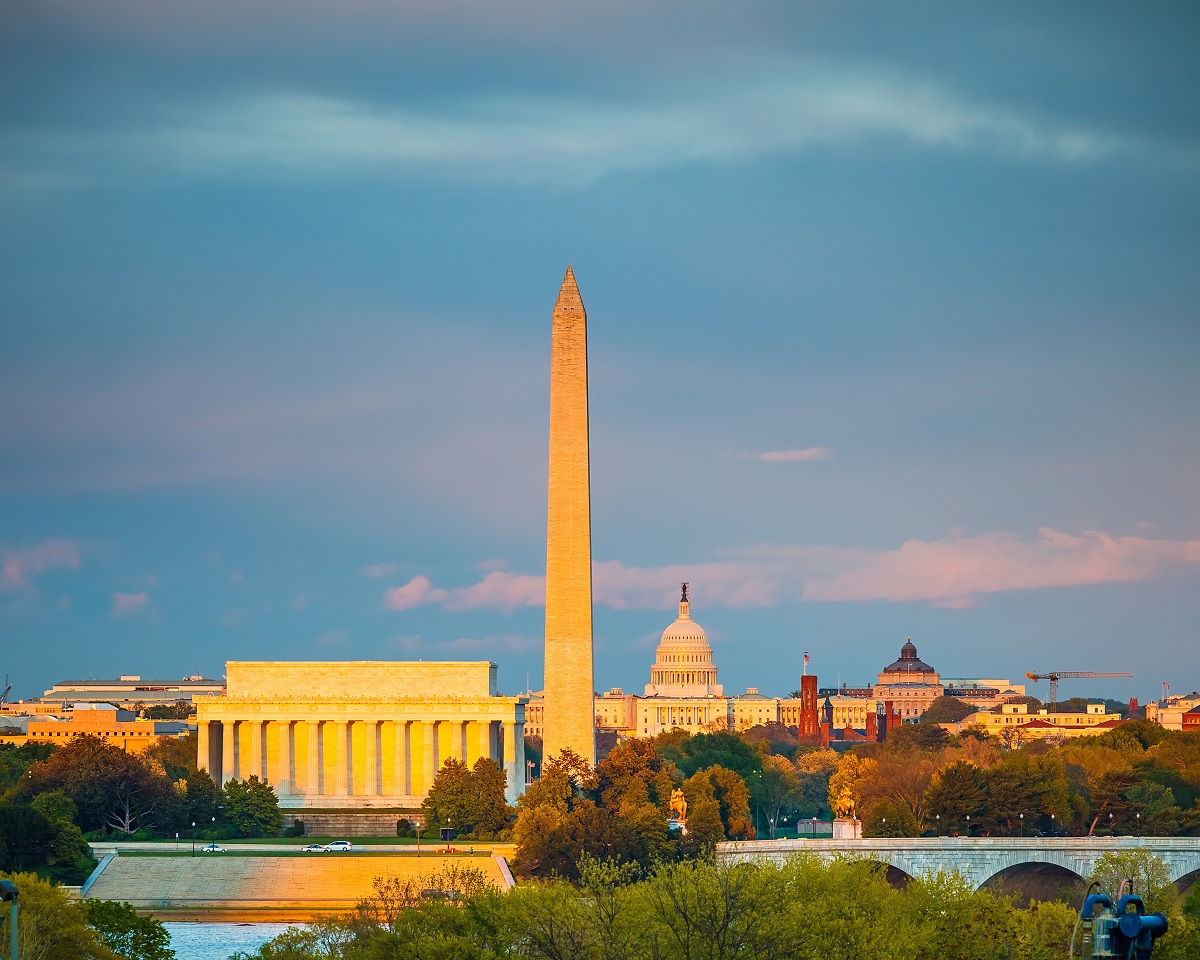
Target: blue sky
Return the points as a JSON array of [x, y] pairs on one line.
[[893, 332]]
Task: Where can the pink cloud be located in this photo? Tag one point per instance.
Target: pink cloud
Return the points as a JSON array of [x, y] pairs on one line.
[[499, 590], [950, 573], [419, 590], [796, 456], [128, 604], [953, 573], [18, 565]]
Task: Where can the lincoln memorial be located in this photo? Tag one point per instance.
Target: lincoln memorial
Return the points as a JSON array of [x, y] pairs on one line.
[[358, 735]]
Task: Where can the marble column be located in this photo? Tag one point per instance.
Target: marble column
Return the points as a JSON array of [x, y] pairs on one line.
[[202, 745], [461, 735], [312, 776], [254, 765], [518, 788], [341, 782], [429, 758], [283, 779], [401, 775], [483, 731], [370, 785], [514, 773], [229, 751]]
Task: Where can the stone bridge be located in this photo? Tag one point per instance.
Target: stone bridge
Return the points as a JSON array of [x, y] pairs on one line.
[[980, 859]]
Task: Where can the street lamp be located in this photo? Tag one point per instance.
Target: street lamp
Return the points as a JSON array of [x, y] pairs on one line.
[[937, 824], [1110, 823], [1021, 817], [968, 824], [1139, 820], [771, 821], [8, 891], [1053, 825], [193, 838]]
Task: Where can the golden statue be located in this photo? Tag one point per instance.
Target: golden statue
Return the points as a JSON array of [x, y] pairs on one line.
[[678, 806], [843, 806]]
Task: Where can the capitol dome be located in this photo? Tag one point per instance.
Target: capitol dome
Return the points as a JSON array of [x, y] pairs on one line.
[[684, 630], [683, 665], [909, 662]]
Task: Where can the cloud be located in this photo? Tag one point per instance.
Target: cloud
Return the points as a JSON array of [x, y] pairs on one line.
[[950, 573], [954, 573], [19, 564], [498, 590], [332, 638], [379, 569], [729, 117], [796, 456], [129, 604]]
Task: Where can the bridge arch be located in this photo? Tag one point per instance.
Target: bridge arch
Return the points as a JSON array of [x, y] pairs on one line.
[[898, 877], [1185, 883], [1033, 880]]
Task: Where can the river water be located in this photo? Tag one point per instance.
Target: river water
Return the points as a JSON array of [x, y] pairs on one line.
[[217, 941]]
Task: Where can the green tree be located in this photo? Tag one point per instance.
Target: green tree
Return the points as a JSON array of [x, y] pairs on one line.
[[731, 795], [71, 853], [957, 792], [447, 804], [1151, 877], [887, 818], [947, 710], [179, 756], [704, 750], [776, 789], [587, 831], [110, 788], [26, 838], [15, 761], [468, 801], [55, 806], [488, 811], [52, 926], [252, 808], [126, 934], [632, 762], [202, 797]]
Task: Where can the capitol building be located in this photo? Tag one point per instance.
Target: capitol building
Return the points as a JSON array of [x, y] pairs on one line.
[[683, 692]]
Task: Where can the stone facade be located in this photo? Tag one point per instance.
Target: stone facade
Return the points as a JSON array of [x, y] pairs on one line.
[[1013, 724], [910, 683], [1169, 712], [358, 735], [569, 721], [121, 728]]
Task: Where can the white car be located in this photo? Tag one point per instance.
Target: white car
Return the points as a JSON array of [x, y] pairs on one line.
[[212, 848], [313, 848], [340, 846]]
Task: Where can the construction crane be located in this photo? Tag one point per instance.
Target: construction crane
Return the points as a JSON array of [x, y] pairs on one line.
[[7, 688], [1055, 675]]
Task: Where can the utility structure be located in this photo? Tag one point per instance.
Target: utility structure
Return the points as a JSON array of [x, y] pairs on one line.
[[1055, 675], [9, 894]]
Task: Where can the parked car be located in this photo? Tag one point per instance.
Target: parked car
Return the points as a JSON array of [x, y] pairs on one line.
[[212, 848], [340, 846], [314, 848]]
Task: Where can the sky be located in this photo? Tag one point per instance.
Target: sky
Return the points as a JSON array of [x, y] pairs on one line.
[[893, 332]]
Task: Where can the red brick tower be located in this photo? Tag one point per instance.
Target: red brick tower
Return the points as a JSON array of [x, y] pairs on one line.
[[808, 725]]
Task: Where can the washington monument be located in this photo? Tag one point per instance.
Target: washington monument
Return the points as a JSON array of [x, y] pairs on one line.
[[569, 723]]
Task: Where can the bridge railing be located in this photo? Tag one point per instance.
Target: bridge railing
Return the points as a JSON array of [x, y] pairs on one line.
[[1096, 844]]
